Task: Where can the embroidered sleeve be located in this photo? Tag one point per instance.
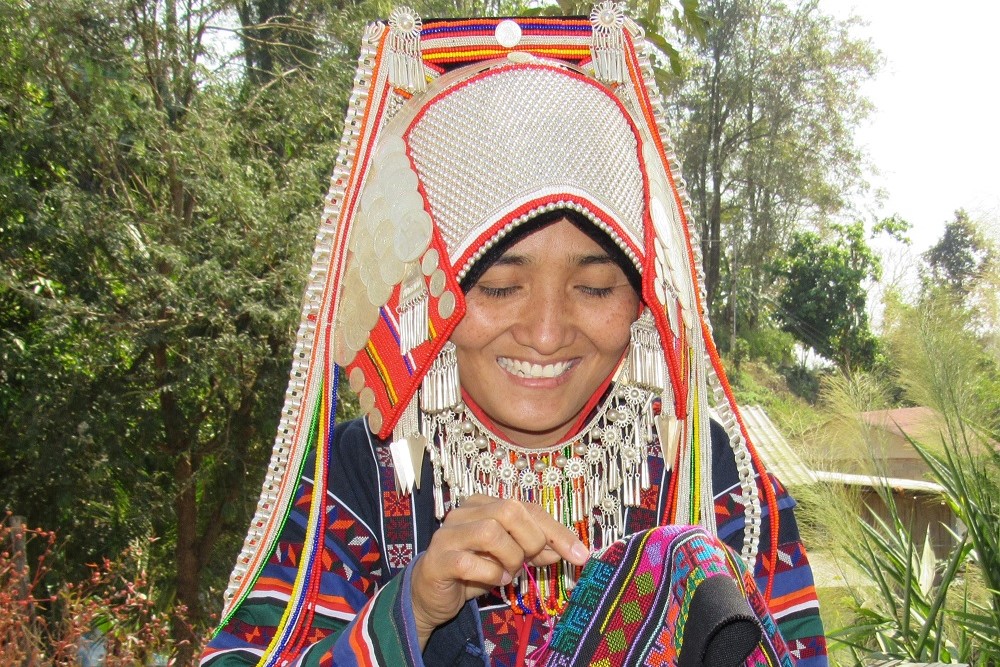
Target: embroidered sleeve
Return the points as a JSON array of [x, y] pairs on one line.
[[350, 570], [793, 601]]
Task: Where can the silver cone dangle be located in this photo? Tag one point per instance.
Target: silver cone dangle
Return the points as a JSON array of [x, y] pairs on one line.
[[441, 389], [646, 364], [413, 300]]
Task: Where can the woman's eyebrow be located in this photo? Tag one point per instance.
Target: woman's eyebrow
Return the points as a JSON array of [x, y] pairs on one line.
[[593, 259], [512, 259]]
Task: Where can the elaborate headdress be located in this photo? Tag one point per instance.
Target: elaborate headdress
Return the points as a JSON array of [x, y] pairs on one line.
[[457, 132]]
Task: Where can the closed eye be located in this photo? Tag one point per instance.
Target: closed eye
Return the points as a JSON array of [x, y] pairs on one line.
[[497, 292], [599, 292]]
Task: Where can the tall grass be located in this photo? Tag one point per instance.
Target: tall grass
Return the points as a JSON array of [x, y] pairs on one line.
[[910, 604]]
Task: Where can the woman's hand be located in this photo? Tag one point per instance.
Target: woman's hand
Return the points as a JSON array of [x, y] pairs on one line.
[[481, 545]]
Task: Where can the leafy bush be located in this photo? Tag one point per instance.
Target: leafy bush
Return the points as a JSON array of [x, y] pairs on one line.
[[922, 608], [112, 612]]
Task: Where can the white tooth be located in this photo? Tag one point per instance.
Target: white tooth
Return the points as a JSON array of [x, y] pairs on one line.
[[523, 368], [549, 371], [536, 370]]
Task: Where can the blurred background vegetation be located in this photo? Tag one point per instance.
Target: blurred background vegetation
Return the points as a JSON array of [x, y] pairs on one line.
[[162, 167]]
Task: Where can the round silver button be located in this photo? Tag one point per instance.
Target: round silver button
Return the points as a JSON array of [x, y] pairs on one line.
[[508, 33]]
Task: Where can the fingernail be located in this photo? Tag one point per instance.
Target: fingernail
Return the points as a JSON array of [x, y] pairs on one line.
[[580, 553], [506, 578]]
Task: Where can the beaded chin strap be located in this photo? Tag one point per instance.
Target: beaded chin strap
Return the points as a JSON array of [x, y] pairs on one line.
[[457, 132]]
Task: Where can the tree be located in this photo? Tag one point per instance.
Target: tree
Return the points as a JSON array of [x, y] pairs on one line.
[[960, 257], [157, 221], [822, 299], [766, 134]]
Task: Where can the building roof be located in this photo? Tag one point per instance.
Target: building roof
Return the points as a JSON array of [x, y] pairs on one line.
[[918, 422], [778, 455], [781, 459], [874, 480]]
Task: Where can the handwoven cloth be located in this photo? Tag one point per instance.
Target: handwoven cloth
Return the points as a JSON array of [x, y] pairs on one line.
[[673, 595]]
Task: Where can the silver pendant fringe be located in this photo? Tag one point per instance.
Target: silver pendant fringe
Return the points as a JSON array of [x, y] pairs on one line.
[[406, 65], [608, 46]]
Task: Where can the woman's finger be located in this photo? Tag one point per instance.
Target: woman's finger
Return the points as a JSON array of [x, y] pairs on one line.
[[529, 525]]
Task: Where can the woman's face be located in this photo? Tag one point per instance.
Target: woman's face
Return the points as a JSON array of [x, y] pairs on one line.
[[544, 326]]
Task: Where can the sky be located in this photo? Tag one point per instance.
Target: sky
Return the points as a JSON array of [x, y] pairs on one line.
[[935, 134]]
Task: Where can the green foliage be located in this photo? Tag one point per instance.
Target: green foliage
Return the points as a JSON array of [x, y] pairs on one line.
[[960, 257], [921, 608], [905, 615], [156, 224], [766, 135], [771, 345], [823, 298], [914, 606]]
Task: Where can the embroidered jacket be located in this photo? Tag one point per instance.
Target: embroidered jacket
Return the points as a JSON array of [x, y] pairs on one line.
[[363, 614]]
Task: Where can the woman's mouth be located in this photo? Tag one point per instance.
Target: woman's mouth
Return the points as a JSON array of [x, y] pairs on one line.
[[526, 369]]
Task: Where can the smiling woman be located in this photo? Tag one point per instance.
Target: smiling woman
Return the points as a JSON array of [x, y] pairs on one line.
[[545, 325], [507, 274]]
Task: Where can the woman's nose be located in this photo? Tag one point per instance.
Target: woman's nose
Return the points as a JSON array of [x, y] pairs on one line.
[[545, 322]]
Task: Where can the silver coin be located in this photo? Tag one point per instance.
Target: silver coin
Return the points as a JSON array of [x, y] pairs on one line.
[[382, 244], [375, 420], [413, 235], [437, 283], [342, 354], [356, 379], [399, 177], [392, 270], [378, 292], [355, 336], [659, 195], [365, 253], [389, 145], [371, 192], [446, 305], [402, 203], [360, 222], [352, 284], [429, 262], [369, 273], [377, 210], [662, 257], [661, 294], [366, 399]]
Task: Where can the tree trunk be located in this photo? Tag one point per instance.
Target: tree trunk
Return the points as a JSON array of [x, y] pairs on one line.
[[186, 557], [188, 561]]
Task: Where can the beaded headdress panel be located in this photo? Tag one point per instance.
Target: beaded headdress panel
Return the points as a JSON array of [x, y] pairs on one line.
[[457, 132]]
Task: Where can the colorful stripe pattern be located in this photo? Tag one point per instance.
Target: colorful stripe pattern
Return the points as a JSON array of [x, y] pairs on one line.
[[634, 603], [360, 529], [793, 602], [349, 569], [451, 43]]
